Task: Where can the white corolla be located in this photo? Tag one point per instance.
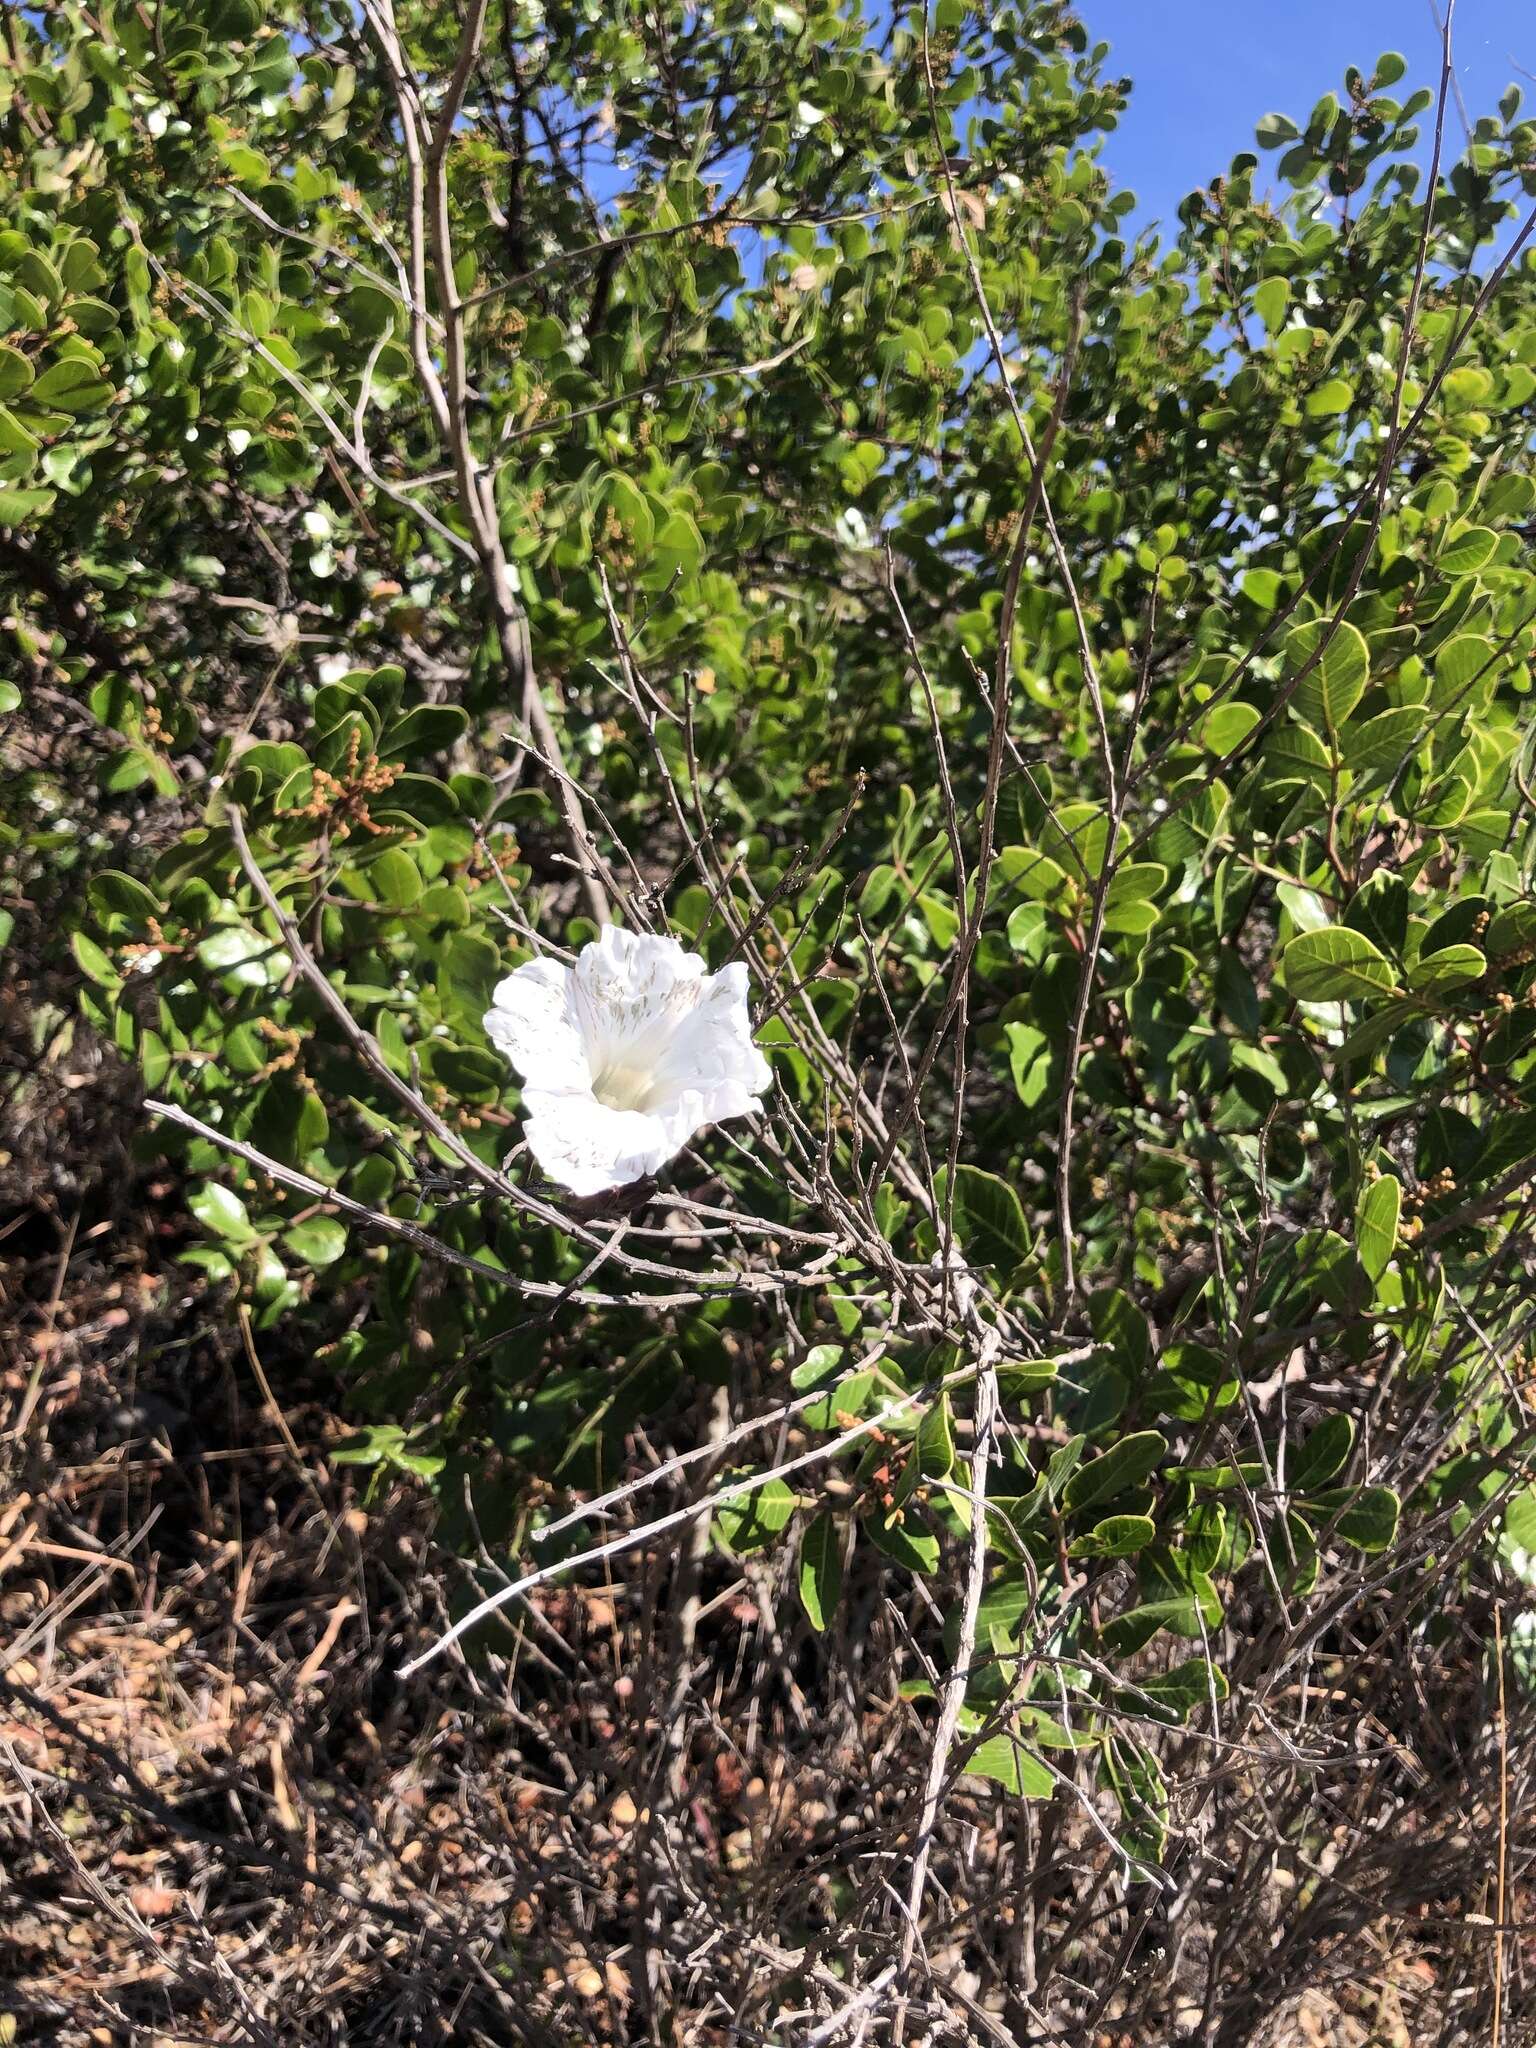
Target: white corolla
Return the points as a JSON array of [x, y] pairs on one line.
[[624, 1056]]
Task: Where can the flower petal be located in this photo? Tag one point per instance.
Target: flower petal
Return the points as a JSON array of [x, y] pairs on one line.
[[713, 1046], [629, 991], [691, 1110], [533, 1020], [587, 1147], [626, 964]]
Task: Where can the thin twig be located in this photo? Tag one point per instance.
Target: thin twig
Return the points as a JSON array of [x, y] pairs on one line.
[[649, 1531], [434, 1248]]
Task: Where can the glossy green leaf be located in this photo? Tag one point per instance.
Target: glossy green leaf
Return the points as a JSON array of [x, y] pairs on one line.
[[1376, 1222], [1449, 967], [750, 1521], [1115, 1536], [1123, 1466], [821, 1571], [1005, 1761], [221, 1212], [1334, 666], [317, 1241], [1334, 965], [1323, 1454]]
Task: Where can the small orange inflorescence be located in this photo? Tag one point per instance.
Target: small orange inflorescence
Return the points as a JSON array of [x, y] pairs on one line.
[[342, 800], [881, 1487], [495, 852], [156, 947]]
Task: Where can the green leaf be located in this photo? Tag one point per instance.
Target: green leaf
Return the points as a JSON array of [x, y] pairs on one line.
[[1376, 1220], [129, 769], [1124, 1328], [245, 165], [940, 918], [1115, 1536], [15, 438], [1367, 1515], [1323, 1455], [1513, 929], [1003, 1760], [15, 371], [1077, 835], [1270, 300], [1508, 1141], [879, 886], [1519, 1531], [750, 1521], [1307, 910], [1449, 967], [821, 1571], [1020, 871], [1123, 1466], [93, 962], [1294, 753], [933, 1450], [1463, 666], [1275, 130], [220, 1211], [245, 958], [1128, 904], [1334, 965], [429, 729], [121, 895], [1261, 587], [1467, 551], [1381, 1025], [393, 879], [1385, 741], [1166, 1572], [370, 311], [1326, 696], [469, 968], [71, 385], [154, 1059], [818, 1364], [906, 1543], [18, 506], [989, 1220], [1180, 1691], [675, 551], [1380, 910], [1334, 395], [1136, 1778], [1129, 1633], [318, 1240], [472, 1073], [290, 1120], [1227, 726], [1029, 1061]]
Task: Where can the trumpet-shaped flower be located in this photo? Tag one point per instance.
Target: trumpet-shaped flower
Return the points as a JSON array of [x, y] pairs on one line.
[[624, 1056]]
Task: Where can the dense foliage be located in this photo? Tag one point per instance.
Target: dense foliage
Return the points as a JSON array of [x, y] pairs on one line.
[[746, 403]]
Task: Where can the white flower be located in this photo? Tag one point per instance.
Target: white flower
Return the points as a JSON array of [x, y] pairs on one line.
[[852, 528], [625, 1055]]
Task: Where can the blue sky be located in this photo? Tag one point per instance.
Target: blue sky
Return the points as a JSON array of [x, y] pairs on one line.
[[1206, 70]]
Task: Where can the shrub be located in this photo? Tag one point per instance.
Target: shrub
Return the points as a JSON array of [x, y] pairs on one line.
[[740, 478]]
